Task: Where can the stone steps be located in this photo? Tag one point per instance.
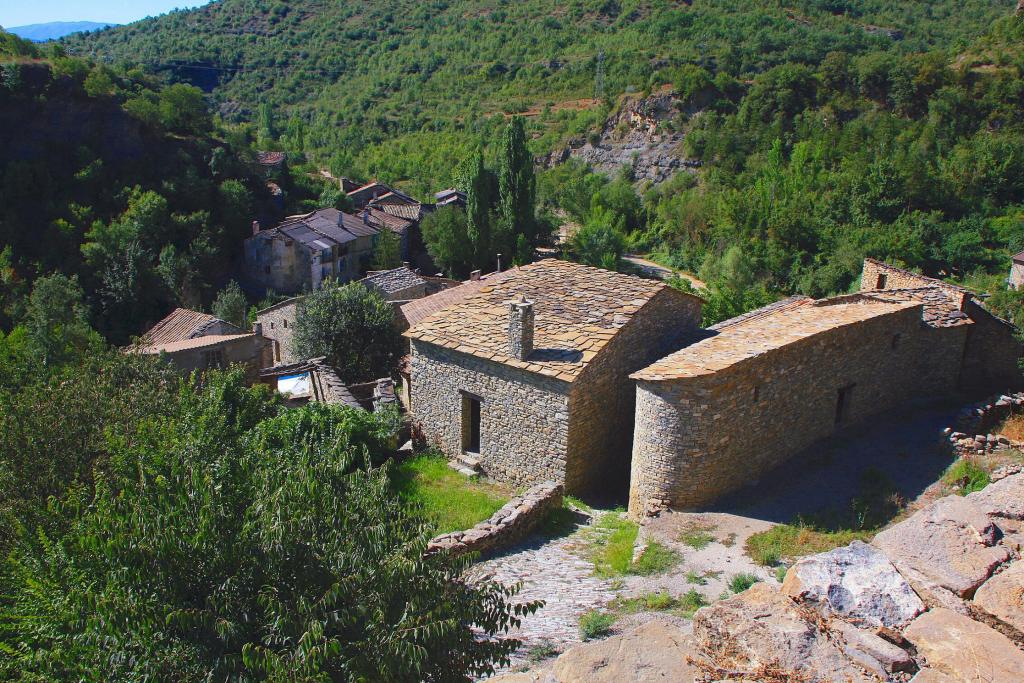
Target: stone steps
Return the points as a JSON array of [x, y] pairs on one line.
[[469, 461], [462, 469]]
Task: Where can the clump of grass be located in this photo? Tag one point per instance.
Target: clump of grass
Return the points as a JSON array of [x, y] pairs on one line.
[[697, 536], [661, 601], [695, 578], [780, 573], [796, 540], [730, 540], [741, 582], [655, 559], [596, 624], [691, 602], [447, 499], [614, 538], [541, 650], [968, 475]]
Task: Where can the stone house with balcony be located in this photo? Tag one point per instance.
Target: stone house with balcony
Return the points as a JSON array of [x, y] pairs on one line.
[[303, 251], [564, 372]]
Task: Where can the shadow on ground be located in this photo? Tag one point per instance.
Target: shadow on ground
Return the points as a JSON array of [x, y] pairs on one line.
[[899, 455]]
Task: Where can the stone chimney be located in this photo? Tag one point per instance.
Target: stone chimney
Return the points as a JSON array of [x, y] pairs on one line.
[[255, 227], [520, 327], [366, 216], [474, 276], [257, 329]]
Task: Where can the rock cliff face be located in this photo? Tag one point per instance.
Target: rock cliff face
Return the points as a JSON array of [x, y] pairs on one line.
[[934, 599]]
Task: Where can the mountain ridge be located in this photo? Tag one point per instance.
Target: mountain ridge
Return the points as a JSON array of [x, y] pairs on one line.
[[52, 30]]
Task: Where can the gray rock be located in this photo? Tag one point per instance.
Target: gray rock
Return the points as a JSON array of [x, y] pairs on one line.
[[965, 650], [856, 582], [1005, 498]]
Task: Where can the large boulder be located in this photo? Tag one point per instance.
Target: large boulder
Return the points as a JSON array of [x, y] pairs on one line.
[[1002, 596], [762, 631], [652, 652], [1005, 498], [951, 544], [964, 649], [856, 582]]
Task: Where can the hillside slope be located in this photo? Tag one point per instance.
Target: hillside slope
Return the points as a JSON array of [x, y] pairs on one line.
[[390, 66], [55, 29]]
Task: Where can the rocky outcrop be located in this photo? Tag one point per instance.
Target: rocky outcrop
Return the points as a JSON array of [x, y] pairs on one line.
[[1002, 597], [654, 652], [951, 545], [964, 649], [511, 523], [856, 582]]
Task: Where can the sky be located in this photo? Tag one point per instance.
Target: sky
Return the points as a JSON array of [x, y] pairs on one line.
[[21, 12]]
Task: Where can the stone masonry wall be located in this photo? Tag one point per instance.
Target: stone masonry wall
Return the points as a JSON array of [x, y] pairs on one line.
[[278, 325], [699, 438], [898, 278], [524, 417], [990, 360], [602, 401], [510, 524]]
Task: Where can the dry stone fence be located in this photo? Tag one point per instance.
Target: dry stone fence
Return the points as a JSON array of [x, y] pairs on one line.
[[937, 598]]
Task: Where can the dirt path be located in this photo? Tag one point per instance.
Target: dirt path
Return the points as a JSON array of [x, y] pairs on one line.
[[662, 272]]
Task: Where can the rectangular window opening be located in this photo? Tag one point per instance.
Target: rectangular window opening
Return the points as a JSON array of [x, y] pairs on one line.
[[882, 281], [843, 404], [757, 393], [470, 423]]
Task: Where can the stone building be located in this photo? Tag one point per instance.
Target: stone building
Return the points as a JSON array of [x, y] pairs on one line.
[[214, 351], [303, 251], [756, 390], [277, 324], [397, 284], [527, 374], [1016, 279], [182, 323]]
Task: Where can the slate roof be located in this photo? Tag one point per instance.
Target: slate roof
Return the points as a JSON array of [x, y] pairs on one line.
[[578, 310], [180, 324], [941, 305], [1019, 257], [416, 311], [321, 229], [408, 212], [764, 330], [388, 220], [391, 281], [195, 343]]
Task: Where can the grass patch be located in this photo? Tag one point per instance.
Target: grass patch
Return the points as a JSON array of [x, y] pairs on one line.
[[741, 582], [447, 498], [796, 540], [661, 601], [695, 578], [596, 624], [967, 475], [780, 573], [614, 537], [697, 536], [541, 650]]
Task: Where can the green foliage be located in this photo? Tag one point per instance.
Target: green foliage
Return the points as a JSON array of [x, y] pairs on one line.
[[796, 540], [967, 475], [445, 233], [446, 498], [741, 582], [600, 242], [225, 542], [56, 320], [517, 186], [352, 327], [387, 252], [595, 624], [232, 306], [655, 559], [697, 537]]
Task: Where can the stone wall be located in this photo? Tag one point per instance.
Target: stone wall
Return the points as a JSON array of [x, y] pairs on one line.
[[975, 429], [602, 402], [513, 522], [524, 416], [278, 325], [878, 275], [992, 353], [699, 438]]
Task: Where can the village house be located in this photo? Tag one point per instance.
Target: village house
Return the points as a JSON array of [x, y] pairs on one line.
[[1016, 279], [277, 324], [361, 196], [270, 165], [397, 284], [194, 341], [527, 377], [303, 251], [617, 371]]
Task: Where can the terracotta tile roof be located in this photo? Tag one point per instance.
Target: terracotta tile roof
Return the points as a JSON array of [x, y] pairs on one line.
[[1019, 257], [196, 343], [759, 334], [578, 309], [408, 212], [388, 220], [270, 158], [182, 323]]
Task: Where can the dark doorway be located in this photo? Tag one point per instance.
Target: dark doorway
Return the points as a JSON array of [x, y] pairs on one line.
[[843, 404], [882, 281], [470, 423]]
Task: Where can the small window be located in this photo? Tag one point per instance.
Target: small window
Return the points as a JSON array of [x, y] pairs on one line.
[[271, 325], [213, 359], [896, 340], [844, 395], [286, 324], [882, 281], [757, 393]]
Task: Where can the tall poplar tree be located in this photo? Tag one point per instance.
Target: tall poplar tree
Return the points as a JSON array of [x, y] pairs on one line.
[[479, 184], [517, 184]]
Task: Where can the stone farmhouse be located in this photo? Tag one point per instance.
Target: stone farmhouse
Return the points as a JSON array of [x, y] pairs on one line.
[[560, 371], [1016, 279], [194, 341]]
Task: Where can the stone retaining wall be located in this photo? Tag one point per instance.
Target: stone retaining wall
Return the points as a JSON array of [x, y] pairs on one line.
[[510, 524], [972, 432]]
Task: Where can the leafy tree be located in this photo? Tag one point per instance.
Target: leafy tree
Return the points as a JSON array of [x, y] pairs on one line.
[[480, 186], [600, 242], [232, 306], [57, 321], [445, 235], [183, 109], [387, 251], [517, 185], [298, 563], [352, 327]]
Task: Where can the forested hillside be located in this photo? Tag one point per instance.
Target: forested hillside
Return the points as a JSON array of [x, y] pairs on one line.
[[115, 180]]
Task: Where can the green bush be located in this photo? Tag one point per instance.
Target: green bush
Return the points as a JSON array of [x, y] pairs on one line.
[[596, 624], [741, 582], [968, 475]]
